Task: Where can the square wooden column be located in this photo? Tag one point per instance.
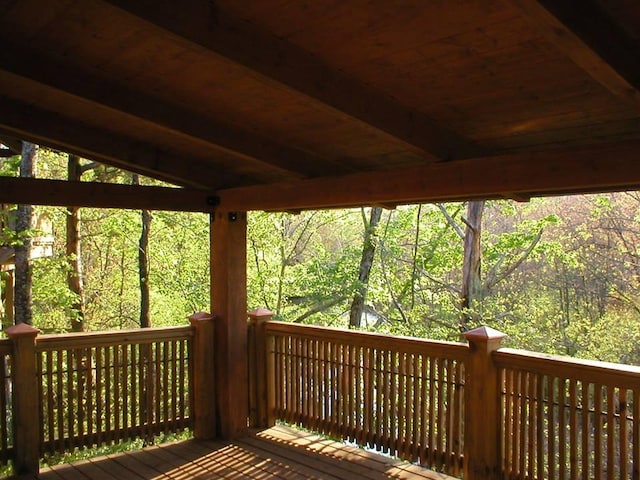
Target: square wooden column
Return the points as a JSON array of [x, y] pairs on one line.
[[229, 305]]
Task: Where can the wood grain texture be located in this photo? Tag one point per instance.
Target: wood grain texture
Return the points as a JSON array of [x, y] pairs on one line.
[[229, 305], [103, 195], [522, 175]]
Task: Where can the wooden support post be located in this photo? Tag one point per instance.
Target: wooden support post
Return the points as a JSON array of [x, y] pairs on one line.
[[26, 399], [204, 391], [260, 411], [482, 444], [229, 303]]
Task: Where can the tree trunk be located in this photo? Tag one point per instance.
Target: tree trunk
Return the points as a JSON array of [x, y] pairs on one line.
[[22, 298], [143, 264], [74, 252], [471, 268], [366, 262]]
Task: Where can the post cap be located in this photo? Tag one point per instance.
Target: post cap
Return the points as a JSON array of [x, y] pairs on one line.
[[483, 334], [260, 313], [22, 329], [200, 317]]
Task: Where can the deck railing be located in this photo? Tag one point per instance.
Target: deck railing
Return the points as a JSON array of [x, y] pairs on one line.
[[101, 388], [469, 409], [62, 392], [400, 396], [565, 418]]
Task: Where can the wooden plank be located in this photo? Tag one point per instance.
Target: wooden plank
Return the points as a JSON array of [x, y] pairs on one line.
[[573, 430], [453, 350], [597, 435], [592, 39], [579, 369], [636, 434], [54, 130], [611, 433], [585, 426], [168, 118], [110, 338], [32, 191], [380, 466], [277, 60], [604, 168], [229, 304], [623, 437]]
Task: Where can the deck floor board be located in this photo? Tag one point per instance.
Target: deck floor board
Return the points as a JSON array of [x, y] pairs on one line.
[[279, 453]]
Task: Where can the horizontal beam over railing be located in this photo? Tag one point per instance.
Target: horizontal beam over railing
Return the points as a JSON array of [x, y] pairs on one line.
[[518, 175], [62, 193]]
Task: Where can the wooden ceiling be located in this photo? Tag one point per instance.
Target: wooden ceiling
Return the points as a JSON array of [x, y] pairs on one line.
[[293, 104]]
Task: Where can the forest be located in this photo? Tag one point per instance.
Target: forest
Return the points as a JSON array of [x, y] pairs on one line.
[[557, 275]]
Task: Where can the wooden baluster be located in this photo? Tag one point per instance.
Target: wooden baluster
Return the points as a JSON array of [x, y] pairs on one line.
[[623, 435], [636, 433], [482, 407], [26, 401], [424, 418], [174, 385], [573, 430]]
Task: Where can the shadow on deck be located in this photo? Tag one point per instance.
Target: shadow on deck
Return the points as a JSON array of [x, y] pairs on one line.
[[279, 452]]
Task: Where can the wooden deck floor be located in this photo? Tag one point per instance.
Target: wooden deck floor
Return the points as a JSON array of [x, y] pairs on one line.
[[276, 453]]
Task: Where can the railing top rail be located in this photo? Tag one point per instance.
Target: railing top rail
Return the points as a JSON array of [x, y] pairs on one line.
[[118, 337], [605, 373], [381, 341]]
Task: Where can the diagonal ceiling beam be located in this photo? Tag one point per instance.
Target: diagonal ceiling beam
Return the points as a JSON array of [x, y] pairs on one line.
[[201, 23], [591, 38], [60, 193], [36, 125], [518, 175], [168, 118], [12, 144]]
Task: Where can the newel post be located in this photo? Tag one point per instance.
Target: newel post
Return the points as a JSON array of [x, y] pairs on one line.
[[260, 370], [204, 393], [26, 399], [482, 448]]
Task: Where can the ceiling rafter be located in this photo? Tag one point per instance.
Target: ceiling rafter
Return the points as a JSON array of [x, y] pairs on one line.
[[201, 23], [591, 38], [62, 193], [521, 175], [36, 125], [169, 118]]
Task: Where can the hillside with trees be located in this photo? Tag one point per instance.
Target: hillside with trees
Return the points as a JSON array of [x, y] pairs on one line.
[[558, 275]]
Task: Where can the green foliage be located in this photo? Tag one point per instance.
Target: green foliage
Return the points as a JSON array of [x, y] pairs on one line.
[[559, 275], [9, 167]]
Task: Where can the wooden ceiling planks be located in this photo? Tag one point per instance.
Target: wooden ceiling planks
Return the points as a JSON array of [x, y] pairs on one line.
[[297, 70], [278, 91], [508, 61], [592, 39]]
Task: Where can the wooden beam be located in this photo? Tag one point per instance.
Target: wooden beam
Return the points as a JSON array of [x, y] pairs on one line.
[[604, 168], [13, 144], [203, 24], [229, 304], [171, 119], [587, 34], [39, 126], [61, 193]]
